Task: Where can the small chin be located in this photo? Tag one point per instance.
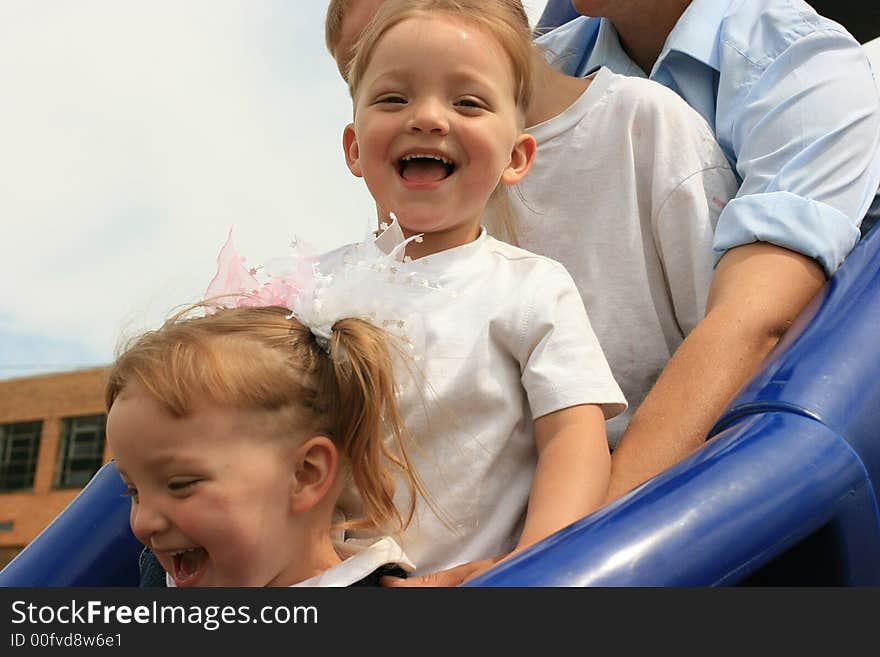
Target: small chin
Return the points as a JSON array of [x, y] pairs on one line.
[[412, 223]]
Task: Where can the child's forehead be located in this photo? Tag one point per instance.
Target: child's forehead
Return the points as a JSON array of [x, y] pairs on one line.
[[460, 39], [151, 440], [137, 403], [161, 459], [453, 26]]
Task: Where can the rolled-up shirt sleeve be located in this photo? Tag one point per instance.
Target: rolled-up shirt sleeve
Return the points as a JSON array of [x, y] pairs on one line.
[[807, 141]]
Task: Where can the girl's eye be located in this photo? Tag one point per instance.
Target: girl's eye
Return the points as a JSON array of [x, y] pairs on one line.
[[393, 99], [182, 484], [130, 491], [470, 103]]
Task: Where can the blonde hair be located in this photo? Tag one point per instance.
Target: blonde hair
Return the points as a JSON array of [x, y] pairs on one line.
[[256, 359], [333, 23], [505, 20]]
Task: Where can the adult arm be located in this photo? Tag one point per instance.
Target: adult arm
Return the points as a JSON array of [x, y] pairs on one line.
[[806, 137], [757, 291]]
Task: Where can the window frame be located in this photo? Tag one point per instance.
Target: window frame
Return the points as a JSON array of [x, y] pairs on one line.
[[83, 441], [10, 433]]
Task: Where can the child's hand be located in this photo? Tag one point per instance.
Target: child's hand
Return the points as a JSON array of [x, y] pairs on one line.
[[449, 577]]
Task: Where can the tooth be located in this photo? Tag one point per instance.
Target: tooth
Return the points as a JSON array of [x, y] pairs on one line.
[[439, 158]]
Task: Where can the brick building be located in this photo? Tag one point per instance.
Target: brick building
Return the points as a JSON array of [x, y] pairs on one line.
[[51, 443]]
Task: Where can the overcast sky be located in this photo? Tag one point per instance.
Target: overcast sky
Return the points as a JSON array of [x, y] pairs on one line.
[[133, 135]]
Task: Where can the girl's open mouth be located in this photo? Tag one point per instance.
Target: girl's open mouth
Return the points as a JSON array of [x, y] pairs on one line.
[[189, 565], [425, 168]]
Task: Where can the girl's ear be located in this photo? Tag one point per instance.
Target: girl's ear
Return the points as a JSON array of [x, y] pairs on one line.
[[352, 152], [316, 462], [521, 158]]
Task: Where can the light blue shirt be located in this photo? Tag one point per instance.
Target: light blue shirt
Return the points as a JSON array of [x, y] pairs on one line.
[[792, 101]]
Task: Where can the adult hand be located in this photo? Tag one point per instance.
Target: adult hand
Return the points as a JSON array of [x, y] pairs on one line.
[[449, 577]]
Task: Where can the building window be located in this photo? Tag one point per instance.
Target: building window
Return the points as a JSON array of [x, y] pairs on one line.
[[19, 443], [81, 452], [7, 554]]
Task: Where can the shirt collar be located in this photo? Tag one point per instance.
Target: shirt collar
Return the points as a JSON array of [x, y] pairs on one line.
[[610, 53], [393, 238], [697, 33], [361, 557], [389, 238]]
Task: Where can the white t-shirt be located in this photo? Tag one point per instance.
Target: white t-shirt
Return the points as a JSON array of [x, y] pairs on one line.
[[625, 192], [505, 340]]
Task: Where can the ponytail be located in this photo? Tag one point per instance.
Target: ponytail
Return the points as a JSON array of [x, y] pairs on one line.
[[363, 367], [260, 358]]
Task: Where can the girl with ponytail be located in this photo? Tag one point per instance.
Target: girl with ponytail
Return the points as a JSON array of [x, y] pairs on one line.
[[236, 431]]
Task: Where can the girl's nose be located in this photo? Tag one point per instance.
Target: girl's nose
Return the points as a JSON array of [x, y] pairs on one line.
[[147, 520], [428, 116]]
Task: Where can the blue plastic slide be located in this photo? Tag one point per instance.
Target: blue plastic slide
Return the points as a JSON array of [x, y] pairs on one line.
[[783, 492]]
